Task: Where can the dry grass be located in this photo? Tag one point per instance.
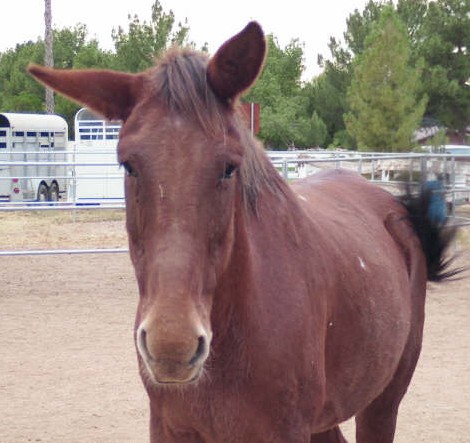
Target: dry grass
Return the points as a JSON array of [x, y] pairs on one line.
[[463, 235], [62, 229], [93, 228]]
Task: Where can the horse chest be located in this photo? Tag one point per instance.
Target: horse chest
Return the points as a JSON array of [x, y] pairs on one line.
[[233, 414]]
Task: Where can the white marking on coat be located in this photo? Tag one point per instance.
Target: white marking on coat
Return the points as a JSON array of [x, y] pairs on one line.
[[361, 262]]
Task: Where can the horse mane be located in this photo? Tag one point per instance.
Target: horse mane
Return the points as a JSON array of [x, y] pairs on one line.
[[180, 82]]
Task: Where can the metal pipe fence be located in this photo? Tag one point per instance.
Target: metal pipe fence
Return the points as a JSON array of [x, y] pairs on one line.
[[291, 164]]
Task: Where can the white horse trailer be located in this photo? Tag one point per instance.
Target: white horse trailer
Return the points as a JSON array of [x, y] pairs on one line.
[[26, 142], [96, 175]]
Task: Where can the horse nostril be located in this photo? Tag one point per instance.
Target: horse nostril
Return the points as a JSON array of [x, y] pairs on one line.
[[200, 351], [142, 344]]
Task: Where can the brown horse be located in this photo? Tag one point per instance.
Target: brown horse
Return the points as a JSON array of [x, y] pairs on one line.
[[267, 313]]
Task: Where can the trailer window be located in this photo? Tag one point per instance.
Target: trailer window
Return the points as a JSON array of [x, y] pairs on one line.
[[3, 145], [3, 133], [31, 134], [18, 134], [4, 123], [91, 123], [45, 134]]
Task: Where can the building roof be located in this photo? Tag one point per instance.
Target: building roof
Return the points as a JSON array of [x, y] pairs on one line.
[[33, 122]]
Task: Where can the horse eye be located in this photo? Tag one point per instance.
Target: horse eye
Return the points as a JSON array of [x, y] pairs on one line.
[[229, 171], [129, 169]]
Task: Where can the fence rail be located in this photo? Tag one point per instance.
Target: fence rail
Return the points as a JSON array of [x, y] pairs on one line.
[[382, 169]]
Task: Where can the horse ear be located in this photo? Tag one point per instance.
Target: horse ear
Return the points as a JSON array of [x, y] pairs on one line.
[[237, 63], [109, 93]]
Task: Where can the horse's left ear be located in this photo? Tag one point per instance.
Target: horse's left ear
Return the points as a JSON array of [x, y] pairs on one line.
[[237, 63], [111, 94]]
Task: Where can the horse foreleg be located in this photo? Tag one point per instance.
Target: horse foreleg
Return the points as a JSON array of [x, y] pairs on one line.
[[332, 436]]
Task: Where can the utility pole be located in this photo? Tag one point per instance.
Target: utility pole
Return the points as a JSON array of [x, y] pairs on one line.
[[48, 56]]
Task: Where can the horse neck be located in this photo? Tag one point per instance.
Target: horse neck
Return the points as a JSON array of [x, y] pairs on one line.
[[277, 221]]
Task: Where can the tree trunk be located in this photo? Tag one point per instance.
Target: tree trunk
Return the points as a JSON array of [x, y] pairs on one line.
[[48, 57]]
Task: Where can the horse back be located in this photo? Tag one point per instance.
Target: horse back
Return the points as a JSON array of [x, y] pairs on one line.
[[359, 211]]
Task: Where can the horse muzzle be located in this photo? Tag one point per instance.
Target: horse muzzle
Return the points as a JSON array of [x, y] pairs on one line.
[[170, 360]]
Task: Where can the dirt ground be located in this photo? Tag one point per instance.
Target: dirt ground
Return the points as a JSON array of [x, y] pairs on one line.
[[68, 369]]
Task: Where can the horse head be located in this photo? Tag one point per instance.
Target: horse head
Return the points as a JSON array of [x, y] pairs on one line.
[[181, 145]]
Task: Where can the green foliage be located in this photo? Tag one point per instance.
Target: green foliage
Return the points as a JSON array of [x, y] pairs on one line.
[[325, 96], [286, 119], [444, 44], [385, 109], [343, 139], [18, 91], [137, 48], [73, 49], [318, 130], [360, 25], [439, 33], [295, 113], [281, 74], [328, 91], [438, 140]]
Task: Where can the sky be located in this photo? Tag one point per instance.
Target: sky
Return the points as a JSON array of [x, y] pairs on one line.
[[211, 21]]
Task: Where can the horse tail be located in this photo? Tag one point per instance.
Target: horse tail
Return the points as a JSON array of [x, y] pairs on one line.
[[435, 234]]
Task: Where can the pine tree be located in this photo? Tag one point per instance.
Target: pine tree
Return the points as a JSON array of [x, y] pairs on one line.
[[385, 109]]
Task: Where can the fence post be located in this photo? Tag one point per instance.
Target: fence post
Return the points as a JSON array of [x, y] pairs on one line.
[[452, 177], [410, 170], [285, 168], [337, 162], [424, 170], [74, 182]]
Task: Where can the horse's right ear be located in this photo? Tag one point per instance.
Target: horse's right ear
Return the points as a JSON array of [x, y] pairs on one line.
[[111, 94]]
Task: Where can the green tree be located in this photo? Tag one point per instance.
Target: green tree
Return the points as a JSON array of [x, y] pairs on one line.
[[444, 42], [358, 26], [137, 48], [318, 130], [327, 93], [384, 106], [286, 120], [18, 91], [326, 97], [439, 34], [281, 74], [438, 140], [73, 49]]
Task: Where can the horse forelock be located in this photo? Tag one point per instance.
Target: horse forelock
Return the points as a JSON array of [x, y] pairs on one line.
[[181, 86], [180, 82]]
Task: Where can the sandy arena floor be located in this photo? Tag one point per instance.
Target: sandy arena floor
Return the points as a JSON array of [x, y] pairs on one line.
[[68, 369]]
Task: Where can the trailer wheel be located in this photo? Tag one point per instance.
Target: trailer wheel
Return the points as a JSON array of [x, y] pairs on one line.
[[43, 193], [54, 192]]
